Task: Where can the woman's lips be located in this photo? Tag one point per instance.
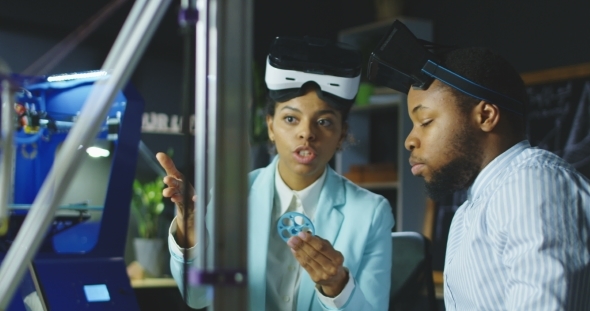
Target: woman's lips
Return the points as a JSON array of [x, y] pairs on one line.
[[304, 155]]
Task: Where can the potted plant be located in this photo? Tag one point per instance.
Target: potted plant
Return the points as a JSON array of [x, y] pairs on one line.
[[147, 206]]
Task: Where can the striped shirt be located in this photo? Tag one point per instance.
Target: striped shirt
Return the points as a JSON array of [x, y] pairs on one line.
[[521, 240]]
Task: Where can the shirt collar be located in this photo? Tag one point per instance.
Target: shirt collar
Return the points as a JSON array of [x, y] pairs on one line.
[[309, 196], [493, 168]]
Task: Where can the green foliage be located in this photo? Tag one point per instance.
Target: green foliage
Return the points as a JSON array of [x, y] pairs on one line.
[[147, 205]]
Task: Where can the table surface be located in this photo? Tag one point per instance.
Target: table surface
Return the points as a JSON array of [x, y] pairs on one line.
[[169, 282], [153, 283]]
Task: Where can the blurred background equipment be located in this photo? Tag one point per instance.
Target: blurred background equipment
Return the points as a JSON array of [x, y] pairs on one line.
[[83, 249]]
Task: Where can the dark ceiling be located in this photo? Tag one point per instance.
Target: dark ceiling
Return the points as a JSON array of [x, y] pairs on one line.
[[532, 34], [55, 19]]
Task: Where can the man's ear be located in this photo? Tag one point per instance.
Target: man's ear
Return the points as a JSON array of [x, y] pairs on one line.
[[271, 134], [487, 115]]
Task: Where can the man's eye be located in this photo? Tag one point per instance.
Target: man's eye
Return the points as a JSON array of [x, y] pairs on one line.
[[324, 122], [425, 124], [289, 119]]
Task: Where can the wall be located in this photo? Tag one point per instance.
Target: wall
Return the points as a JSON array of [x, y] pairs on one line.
[[20, 50], [531, 34]]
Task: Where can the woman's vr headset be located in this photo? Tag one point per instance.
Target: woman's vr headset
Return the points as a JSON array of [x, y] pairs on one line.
[[295, 61], [401, 61]]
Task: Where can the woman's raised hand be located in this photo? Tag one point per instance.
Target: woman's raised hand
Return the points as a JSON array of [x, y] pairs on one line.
[[185, 237]]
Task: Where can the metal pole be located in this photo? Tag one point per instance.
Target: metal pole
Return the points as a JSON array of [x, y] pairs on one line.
[[124, 55], [231, 38], [187, 19], [201, 73], [223, 93], [7, 153]]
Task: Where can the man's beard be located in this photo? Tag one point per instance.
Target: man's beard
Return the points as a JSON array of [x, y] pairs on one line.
[[460, 173]]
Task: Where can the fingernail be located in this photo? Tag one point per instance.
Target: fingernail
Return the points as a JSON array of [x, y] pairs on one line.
[[292, 242], [302, 234]]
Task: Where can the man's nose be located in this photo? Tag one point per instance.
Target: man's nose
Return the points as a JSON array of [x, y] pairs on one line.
[[412, 141]]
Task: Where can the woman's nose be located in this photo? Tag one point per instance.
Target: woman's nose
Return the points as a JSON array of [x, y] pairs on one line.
[[306, 131]]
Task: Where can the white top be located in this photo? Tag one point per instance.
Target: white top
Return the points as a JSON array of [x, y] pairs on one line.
[[282, 269], [521, 240]]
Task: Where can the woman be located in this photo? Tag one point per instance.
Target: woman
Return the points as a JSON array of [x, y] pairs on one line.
[[346, 265]]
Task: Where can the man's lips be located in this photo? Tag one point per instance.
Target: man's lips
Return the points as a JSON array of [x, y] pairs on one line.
[[417, 166]]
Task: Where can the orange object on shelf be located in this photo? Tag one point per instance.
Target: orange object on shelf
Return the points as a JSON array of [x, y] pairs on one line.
[[369, 173], [355, 174]]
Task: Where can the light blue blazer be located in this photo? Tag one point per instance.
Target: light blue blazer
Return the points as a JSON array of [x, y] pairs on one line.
[[356, 222]]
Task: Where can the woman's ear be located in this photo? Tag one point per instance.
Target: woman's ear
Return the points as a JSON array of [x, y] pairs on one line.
[[344, 135], [271, 134], [487, 116]]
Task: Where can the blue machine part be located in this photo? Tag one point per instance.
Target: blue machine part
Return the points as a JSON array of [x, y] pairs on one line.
[[85, 245], [292, 223], [58, 103]]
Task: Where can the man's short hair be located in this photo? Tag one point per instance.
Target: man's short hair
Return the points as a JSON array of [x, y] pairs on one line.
[[487, 68]]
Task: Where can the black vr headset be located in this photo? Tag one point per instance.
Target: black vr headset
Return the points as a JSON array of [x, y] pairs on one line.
[[401, 61]]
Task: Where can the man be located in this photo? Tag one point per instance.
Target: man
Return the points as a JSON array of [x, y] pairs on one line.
[[521, 240]]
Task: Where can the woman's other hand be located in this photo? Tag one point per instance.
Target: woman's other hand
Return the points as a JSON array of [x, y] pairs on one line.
[[323, 263]]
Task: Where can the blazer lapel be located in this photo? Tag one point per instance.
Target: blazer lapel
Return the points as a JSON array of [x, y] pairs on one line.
[[260, 203], [327, 222]]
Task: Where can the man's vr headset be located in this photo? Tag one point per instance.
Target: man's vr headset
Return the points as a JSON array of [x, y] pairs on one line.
[[295, 61], [401, 61]]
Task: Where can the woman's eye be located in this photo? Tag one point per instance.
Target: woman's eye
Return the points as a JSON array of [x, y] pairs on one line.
[[324, 122], [289, 119]]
